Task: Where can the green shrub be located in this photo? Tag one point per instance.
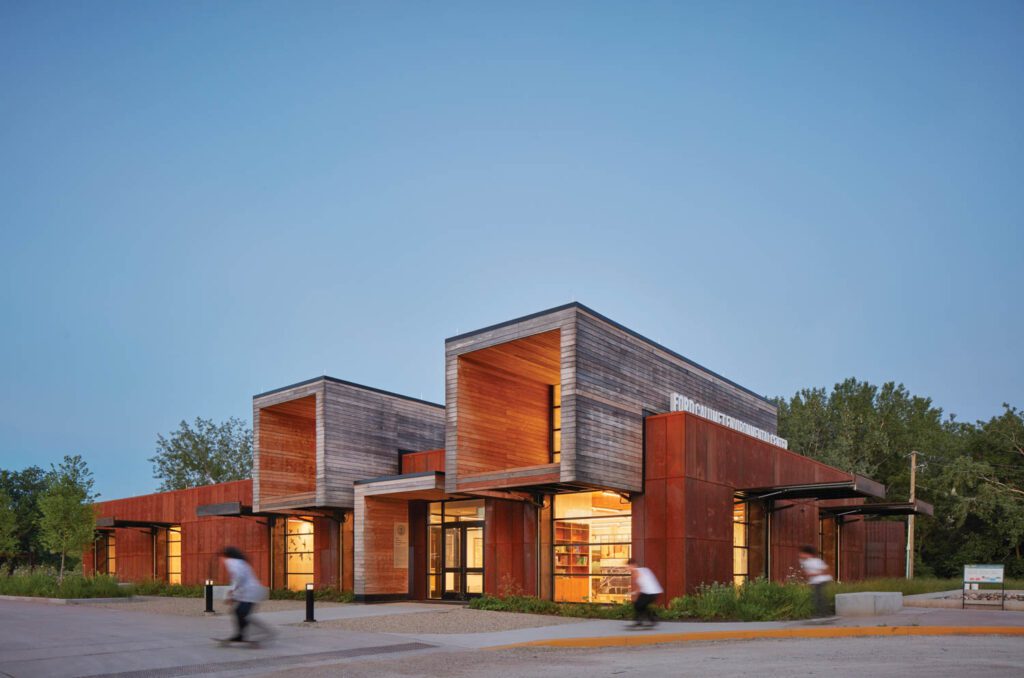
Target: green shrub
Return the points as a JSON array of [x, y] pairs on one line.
[[155, 587], [762, 600], [42, 583], [516, 603], [711, 601]]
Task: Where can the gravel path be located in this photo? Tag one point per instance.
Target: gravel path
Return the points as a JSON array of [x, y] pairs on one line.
[[193, 607], [451, 620]]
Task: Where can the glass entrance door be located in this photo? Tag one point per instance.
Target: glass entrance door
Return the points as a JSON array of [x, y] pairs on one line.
[[463, 560]]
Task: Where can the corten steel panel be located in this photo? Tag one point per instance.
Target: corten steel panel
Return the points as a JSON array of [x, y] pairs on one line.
[[851, 550], [656, 460], [675, 507], [707, 561], [675, 440], [708, 512], [674, 581], [656, 556], [202, 538], [509, 547], [418, 544], [327, 550], [654, 507]]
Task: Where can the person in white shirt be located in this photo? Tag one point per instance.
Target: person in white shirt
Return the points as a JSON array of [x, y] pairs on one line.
[[817, 574], [245, 592], [645, 590]]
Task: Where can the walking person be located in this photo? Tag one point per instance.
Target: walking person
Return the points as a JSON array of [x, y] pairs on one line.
[[816, 572], [646, 589], [245, 592]]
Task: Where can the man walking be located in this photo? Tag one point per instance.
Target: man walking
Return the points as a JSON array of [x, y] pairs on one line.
[[817, 575], [245, 592], [645, 589]]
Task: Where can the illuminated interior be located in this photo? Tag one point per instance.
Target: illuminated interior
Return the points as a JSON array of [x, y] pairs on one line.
[[592, 535], [111, 552], [455, 558], [298, 553], [174, 554], [749, 541]]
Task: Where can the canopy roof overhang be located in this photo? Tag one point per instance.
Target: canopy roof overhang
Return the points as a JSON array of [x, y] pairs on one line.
[[916, 507], [858, 487], [110, 522], [228, 508]]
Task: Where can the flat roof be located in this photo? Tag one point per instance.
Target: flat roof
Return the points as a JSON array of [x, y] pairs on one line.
[[347, 383], [606, 319]]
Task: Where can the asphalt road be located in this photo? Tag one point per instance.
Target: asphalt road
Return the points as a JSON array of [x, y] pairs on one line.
[[911, 657]]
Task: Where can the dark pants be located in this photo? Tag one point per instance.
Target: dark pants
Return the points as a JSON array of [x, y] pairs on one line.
[[818, 598], [242, 612], [642, 607]]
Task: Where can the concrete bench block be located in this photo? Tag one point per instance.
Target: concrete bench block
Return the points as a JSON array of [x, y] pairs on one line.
[[868, 604]]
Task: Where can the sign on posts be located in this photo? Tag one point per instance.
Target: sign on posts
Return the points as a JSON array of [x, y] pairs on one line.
[[976, 575]]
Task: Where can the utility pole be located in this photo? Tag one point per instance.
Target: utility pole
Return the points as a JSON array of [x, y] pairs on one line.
[[910, 518]]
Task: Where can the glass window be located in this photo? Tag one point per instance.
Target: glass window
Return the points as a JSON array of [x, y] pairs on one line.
[[174, 554], [592, 541], [111, 553], [749, 546], [298, 553], [556, 423]]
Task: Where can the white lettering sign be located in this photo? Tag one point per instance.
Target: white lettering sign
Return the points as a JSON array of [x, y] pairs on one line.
[[983, 574], [680, 403]]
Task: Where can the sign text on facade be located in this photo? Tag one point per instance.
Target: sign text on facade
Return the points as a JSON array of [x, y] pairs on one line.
[[680, 403]]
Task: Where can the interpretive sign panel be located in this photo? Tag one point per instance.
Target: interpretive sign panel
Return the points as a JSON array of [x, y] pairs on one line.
[[977, 575], [983, 574]]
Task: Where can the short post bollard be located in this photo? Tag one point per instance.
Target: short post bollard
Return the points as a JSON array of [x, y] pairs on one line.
[[309, 603], [209, 596]]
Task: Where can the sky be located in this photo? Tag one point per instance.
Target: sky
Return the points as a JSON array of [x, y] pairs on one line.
[[203, 201]]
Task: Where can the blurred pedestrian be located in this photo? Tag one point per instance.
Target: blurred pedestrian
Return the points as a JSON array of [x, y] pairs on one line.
[[245, 592], [816, 572], [646, 589]]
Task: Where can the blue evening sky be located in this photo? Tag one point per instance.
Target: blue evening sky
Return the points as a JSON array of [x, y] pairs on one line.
[[200, 201]]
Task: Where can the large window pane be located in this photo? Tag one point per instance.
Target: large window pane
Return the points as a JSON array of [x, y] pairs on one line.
[[592, 542], [299, 553]]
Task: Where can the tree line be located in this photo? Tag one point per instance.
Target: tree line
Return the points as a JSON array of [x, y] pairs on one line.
[[973, 473]]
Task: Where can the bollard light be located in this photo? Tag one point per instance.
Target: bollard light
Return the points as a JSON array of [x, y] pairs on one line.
[[309, 603], [209, 596]]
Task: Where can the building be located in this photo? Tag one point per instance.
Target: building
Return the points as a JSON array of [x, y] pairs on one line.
[[567, 444]]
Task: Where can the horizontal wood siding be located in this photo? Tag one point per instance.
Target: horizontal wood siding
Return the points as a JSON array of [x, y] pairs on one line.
[[561, 320], [364, 432], [617, 377], [504, 422]]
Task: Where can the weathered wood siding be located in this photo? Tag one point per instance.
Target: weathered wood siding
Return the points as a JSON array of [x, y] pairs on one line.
[[617, 377], [359, 433], [608, 376]]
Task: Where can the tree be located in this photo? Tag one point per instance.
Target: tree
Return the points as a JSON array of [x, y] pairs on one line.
[[24, 489], [8, 526], [203, 454], [68, 518]]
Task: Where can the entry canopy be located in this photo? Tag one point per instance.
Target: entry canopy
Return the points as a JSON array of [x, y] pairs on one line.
[[916, 507], [229, 508], [109, 522], [857, 487]]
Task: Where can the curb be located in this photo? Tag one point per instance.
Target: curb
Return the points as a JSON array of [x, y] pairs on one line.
[[65, 601], [839, 632]]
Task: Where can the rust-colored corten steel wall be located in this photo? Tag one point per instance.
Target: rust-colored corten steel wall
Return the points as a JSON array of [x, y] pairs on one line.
[[510, 547], [202, 538], [884, 549], [682, 523]]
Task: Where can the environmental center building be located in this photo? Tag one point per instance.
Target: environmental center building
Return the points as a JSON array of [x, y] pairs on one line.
[[566, 445]]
